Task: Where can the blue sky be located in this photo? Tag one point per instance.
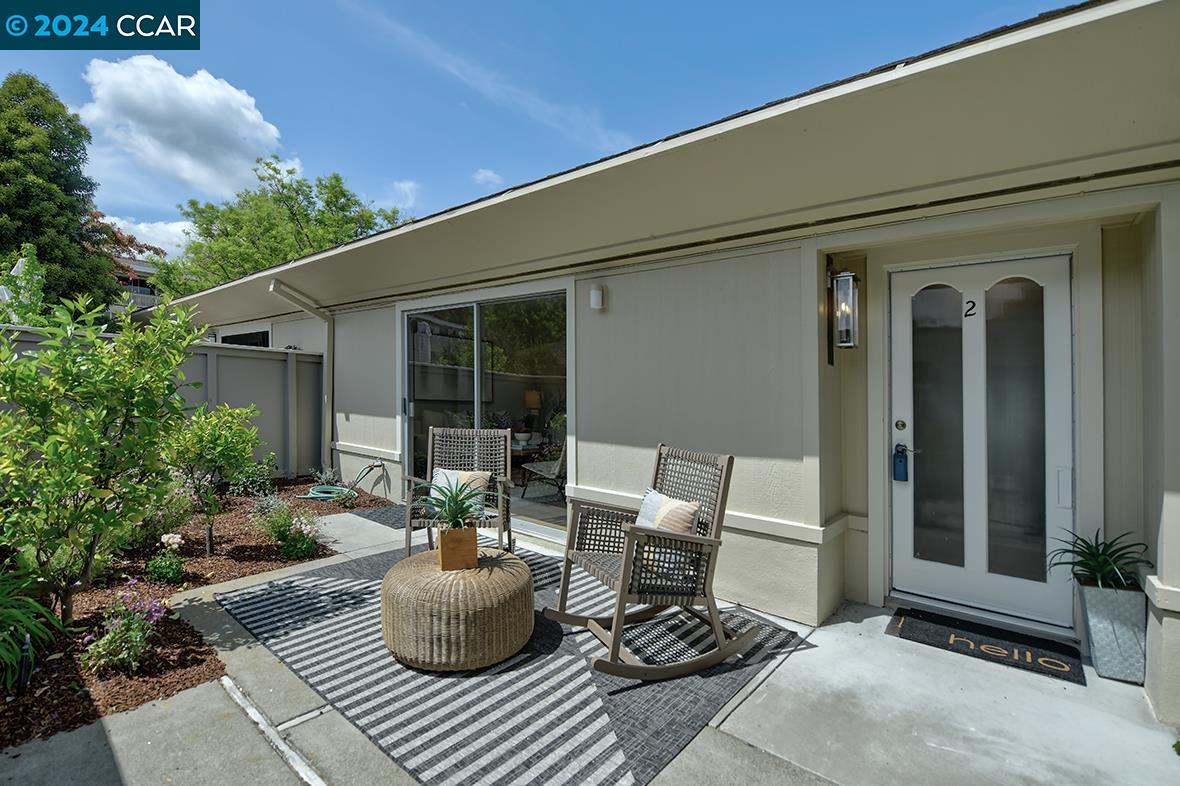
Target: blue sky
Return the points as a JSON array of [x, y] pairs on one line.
[[427, 105]]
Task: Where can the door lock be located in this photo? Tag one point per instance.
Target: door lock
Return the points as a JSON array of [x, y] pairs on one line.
[[901, 461]]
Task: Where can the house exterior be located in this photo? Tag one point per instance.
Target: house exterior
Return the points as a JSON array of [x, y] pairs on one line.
[[1010, 208]]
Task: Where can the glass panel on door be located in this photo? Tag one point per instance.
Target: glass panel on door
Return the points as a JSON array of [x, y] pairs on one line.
[[1015, 330], [937, 323], [442, 378]]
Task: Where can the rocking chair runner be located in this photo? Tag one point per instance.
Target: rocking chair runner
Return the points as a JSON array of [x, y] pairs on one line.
[[465, 450], [653, 567]]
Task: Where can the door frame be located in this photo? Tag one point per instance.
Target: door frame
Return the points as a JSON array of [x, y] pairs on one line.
[[1016, 268], [1079, 240], [1051, 226], [551, 286]]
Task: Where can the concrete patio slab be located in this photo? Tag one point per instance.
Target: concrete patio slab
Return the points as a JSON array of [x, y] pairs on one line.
[[716, 757], [340, 753], [198, 737], [853, 703]]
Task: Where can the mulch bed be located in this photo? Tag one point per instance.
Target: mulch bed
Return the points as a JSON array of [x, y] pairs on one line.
[[62, 695]]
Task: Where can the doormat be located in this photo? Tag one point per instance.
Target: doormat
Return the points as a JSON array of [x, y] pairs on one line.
[[541, 717], [1043, 656]]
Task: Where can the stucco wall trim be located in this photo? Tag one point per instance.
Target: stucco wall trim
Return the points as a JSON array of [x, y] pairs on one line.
[[1161, 595], [779, 529], [367, 451]]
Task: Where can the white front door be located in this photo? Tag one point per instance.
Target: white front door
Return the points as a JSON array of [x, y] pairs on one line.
[[982, 434]]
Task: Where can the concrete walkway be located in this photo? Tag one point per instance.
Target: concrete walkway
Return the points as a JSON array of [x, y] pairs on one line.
[[848, 705]]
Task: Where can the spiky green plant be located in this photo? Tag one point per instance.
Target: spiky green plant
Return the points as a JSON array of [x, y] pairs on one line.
[[1107, 563], [456, 506], [20, 613]]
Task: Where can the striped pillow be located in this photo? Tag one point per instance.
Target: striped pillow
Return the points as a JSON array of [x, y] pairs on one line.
[[662, 512]]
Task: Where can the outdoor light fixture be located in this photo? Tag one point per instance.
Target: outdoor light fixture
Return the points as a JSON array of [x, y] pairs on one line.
[[844, 309], [597, 297]]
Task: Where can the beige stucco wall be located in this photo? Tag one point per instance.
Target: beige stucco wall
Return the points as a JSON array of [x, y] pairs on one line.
[[366, 403], [1123, 382], [308, 334], [706, 355], [703, 356]]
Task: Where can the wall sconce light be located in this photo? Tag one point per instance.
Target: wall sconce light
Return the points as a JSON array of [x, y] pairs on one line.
[[597, 297], [845, 311]]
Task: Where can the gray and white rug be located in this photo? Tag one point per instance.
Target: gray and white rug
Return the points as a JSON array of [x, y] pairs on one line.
[[541, 717]]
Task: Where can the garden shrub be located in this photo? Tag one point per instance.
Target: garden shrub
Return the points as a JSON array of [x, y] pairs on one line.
[[213, 449], [170, 515], [83, 422], [264, 505], [257, 480], [325, 476], [293, 530], [129, 626], [20, 614], [168, 565]]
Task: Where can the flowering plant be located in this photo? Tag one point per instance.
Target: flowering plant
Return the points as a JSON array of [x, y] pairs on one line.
[[128, 629], [293, 530], [172, 540]]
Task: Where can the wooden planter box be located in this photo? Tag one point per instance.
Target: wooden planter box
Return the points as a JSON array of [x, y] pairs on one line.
[[456, 549]]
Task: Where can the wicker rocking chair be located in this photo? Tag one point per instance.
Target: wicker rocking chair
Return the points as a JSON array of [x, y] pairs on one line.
[[653, 567], [465, 450]]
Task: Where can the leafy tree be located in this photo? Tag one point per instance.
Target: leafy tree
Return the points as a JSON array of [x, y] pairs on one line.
[[215, 448], [82, 427], [25, 287], [45, 197], [285, 217]]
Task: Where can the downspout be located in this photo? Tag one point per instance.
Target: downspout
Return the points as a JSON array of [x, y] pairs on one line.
[[327, 415]]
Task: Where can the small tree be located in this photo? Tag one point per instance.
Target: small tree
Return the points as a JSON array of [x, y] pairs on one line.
[[81, 431], [213, 449]]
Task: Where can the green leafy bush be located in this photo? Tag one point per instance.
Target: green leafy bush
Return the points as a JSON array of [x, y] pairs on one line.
[[257, 480], [213, 449], [168, 565], [325, 476], [264, 505], [20, 614], [83, 422], [293, 530], [170, 515], [129, 627]]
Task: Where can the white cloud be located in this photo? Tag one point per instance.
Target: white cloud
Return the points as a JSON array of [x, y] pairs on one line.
[[581, 124], [197, 129], [487, 177], [402, 194], [168, 235]]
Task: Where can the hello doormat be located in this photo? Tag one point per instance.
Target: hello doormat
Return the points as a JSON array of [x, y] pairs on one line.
[[1043, 656]]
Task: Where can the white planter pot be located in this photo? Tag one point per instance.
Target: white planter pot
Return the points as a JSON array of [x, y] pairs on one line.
[[1116, 626]]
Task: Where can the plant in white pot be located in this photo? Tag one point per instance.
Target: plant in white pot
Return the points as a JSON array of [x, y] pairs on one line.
[[1106, 575], [459, 510]]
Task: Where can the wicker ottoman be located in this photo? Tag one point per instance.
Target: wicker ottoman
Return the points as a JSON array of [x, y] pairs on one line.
[[457, 619]]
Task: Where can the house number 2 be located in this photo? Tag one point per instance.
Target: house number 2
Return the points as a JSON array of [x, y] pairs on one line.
[[970, 312]]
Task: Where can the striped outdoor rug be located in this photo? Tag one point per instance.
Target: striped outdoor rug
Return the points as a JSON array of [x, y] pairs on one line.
[[543, 716]]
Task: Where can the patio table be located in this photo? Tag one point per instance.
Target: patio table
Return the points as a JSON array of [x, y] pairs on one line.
[[457, 619]]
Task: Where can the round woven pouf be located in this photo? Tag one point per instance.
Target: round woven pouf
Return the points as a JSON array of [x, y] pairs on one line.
[[457, 619]]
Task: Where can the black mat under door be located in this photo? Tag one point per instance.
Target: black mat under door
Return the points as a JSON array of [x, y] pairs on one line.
[[1043, 656]]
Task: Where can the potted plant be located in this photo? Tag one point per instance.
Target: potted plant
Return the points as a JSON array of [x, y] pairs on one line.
[[458, 508], [1115, 607]]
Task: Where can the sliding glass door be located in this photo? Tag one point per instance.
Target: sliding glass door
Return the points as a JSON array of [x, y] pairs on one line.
[[518, 347]]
